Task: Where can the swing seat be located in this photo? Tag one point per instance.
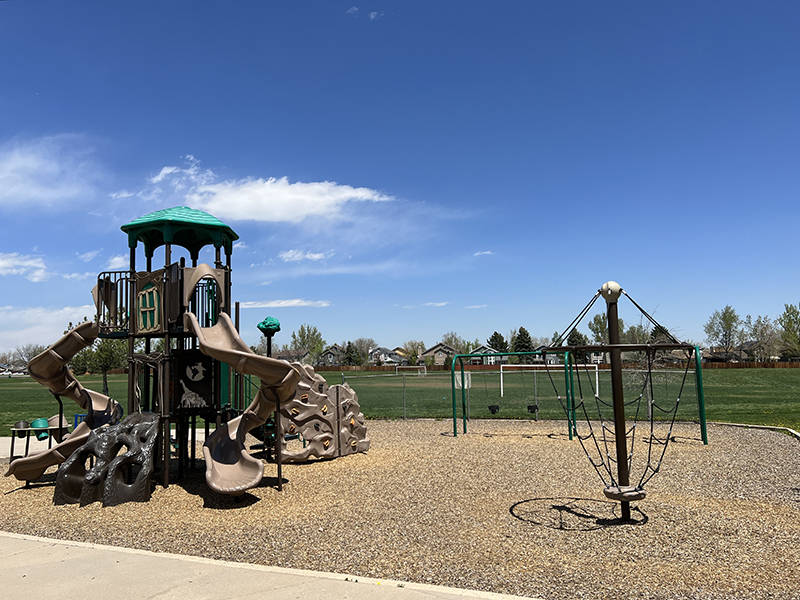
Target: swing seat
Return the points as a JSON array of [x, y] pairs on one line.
[[494, 408], [624, 493]]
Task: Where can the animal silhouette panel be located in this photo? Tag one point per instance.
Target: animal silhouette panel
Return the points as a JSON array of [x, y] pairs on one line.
[[193, 381]]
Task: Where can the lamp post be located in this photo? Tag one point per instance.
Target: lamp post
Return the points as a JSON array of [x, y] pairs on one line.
[[269, 327]]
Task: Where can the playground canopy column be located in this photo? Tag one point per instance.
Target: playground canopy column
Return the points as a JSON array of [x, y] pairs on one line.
[[193, 230]]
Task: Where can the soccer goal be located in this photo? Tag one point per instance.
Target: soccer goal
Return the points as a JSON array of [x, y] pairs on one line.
[[420, 370], [544, 372]]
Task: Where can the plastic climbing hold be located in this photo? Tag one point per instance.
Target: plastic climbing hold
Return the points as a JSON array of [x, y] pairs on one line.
[[324, 409]]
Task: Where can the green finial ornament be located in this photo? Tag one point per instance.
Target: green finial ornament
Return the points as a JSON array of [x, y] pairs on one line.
[[269, 326]]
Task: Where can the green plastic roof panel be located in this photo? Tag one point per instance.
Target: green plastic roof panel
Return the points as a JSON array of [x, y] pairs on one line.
[[187, 227]]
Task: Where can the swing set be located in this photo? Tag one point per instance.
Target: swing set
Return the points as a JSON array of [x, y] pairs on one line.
[[607, 428]]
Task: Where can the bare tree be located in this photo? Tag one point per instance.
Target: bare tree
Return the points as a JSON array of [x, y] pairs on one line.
[[22, 355], [413, 349], [363, 346], [455, 341], [763, 338]]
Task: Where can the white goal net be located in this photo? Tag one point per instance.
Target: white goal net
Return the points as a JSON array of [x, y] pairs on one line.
[[540, 373], [420, 370]]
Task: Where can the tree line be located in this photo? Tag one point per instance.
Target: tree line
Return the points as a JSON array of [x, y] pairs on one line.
[[762, 339], [728, 335]]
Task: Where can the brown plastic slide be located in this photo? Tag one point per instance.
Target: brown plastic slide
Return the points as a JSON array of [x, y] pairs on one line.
[[50, 369], [229, 467]]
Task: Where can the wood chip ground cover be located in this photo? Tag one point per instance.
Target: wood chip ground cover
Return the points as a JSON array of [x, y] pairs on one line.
[[512, 507]]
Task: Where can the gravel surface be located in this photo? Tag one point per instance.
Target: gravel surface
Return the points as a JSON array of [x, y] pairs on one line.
[[513, 507]]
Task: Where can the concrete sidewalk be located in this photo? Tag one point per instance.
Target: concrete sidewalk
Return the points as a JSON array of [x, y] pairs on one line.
[[32, 567]]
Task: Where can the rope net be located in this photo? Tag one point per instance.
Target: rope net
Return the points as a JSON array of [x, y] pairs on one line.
[[653, 394]]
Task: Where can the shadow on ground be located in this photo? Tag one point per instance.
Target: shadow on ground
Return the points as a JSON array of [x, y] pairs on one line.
[[574, 514]]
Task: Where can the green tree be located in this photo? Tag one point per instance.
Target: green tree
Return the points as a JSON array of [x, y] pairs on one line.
[[576, 338], [308, 338], [599, 328], [470, 346], [82, 362], [659, 335], [523, 343], [789, 322], [724, 330], [351, 356], [108, 354], [635, 334], [497, 342]]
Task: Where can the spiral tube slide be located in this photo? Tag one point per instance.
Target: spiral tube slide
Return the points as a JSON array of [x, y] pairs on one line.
[[50, 369], [229, 467]]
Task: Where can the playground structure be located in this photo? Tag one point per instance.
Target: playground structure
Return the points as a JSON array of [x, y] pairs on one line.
[[607, 430], [186, 360]]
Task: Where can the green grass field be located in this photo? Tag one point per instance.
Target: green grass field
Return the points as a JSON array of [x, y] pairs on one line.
[[752, 396]]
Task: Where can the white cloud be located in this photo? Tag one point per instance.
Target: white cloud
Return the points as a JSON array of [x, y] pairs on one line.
[[79, 276], [298, 255], [437, 304], [172, 182], [32, 268], [37, 325], [89, 256], [249, 199], [376, 15], [477, 306], [285, 303], [353, 10], [165, 171], [48, 170], [278, 200], [484, 253], [118, 262], [240, 245]]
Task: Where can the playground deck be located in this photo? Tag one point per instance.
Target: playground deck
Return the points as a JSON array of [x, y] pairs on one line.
[[513, 507]]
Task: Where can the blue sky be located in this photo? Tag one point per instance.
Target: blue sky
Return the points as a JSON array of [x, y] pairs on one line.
[[398, 170]]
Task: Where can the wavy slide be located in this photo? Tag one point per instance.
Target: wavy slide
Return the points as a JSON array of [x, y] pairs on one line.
[[50, 369], [229, 467]]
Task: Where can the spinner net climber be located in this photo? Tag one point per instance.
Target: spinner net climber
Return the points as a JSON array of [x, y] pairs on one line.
[[626, 429]]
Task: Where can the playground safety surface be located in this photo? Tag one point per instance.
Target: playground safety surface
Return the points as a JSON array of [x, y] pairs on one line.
[[513, 507]]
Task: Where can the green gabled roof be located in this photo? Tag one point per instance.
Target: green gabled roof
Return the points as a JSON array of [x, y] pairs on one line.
[[187, 227]]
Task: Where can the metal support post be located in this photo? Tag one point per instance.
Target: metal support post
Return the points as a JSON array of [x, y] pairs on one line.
[[611, 295]]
